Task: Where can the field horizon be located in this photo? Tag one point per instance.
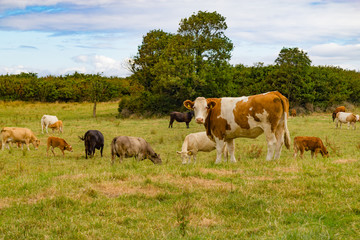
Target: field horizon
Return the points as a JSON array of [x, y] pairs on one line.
[[76, 198]]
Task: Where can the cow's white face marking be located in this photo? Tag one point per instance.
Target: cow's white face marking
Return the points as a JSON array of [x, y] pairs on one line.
[[200, 110]]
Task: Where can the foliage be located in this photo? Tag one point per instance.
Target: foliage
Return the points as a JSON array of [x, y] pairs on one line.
[[74, 88]]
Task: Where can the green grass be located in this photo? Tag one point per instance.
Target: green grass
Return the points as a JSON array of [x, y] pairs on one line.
[[76, 198]]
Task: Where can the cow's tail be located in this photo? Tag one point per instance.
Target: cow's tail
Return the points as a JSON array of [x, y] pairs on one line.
[[285, 105], [82, 138]]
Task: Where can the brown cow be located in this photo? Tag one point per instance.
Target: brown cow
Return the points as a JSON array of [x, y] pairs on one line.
[[314, 144], [293, 112], [124, 146], [228, 118], [15, 134], [54, 142], [338, 109], [57, 126]]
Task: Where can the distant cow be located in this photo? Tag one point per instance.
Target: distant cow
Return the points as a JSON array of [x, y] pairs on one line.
[[125, 147], [338, 109], [46, 120], [232, 117], [181, 117], [293, 112], [346, 117], [314, 144], [197, 142], [93, 139], [22, 135], [54, 142], [57, 126]]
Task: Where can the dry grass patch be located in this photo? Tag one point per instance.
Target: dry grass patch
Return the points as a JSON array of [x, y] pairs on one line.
[[342, 161], [221, 172], [287, 169], [112, 189]]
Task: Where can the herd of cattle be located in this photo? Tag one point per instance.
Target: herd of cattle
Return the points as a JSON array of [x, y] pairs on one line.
[[224, 119]]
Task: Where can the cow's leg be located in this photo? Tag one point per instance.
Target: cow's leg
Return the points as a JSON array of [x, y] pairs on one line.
[[194, 156], [3, 142], [86, 152], [171, 122], [271, 141], [231, 148], [27, 142], [46, 127], [187, 124], [219, 147], [302, 152], [312, 153], [101, 150], [52, 149], [279, 142]]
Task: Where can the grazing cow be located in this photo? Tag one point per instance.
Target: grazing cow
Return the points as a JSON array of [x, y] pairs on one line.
[[338, 109], [54, 142], [57, 126], [229, 118], [181, 117], [22, 135], [93, 139], [314, 144], [125, 147], [293, 112], [46, 120], [197, 142], [346, 117]]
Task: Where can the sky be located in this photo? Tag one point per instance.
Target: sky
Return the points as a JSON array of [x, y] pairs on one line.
[[59, 37]]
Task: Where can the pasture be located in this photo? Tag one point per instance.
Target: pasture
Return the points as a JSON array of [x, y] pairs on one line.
[[76, 198]]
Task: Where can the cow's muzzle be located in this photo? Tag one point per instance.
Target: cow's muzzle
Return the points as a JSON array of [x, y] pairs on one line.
[[200, 120]]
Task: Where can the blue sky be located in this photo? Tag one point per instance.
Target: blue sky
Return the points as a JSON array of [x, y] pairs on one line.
[[58, 37]]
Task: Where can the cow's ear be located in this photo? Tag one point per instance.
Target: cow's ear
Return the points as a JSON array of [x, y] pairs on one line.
[[189, 104], [178, 152], [211, 104]]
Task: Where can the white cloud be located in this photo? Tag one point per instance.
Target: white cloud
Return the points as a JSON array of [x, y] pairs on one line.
[[101, 64]]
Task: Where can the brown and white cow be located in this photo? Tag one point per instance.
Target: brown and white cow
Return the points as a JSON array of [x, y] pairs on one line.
[[314, 144], [338, 109], [346, 117], [58, 125], [197, 142], [125, 147], [229, 118], [54, 142], [15, 134]]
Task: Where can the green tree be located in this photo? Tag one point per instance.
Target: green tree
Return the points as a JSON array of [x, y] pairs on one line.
[[292, 75]]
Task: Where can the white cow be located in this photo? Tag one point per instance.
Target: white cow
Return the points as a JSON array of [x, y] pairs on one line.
[[346, 117], [197, 142], [46, 120]]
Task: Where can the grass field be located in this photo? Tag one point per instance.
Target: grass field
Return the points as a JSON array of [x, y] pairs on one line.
[[76, 198]]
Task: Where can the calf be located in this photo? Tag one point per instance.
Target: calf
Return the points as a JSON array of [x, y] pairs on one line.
[[57, 126], [197, 142], [293, 112], [93, 139], [181, 117], [22, 135], [314, 144], [125, 147], [54, 142], [349, 118], [338, 109], [46, 120]]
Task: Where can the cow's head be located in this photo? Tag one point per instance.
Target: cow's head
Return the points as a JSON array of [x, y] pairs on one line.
[[155, 158], [201, 107], [69, 148], [36, 144], [185, 156]]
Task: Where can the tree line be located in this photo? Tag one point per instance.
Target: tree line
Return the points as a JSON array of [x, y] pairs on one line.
[[172, 67]]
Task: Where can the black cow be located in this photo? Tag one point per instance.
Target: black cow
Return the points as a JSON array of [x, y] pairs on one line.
[[93, 139], [181, 117]]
